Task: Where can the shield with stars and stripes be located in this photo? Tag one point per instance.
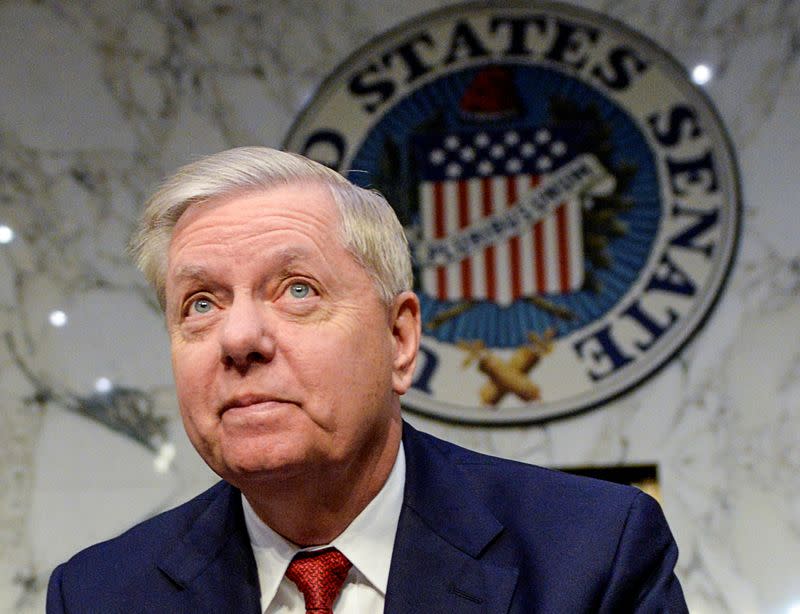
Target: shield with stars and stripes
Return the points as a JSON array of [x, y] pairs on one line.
[[468, 176]]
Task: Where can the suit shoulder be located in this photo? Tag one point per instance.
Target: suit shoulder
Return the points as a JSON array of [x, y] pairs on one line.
[[608, 543], [520, 483]]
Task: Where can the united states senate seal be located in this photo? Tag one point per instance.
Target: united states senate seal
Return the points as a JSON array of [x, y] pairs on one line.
[[571, 200]]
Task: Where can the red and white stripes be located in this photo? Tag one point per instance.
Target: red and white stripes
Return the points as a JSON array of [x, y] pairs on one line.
[[546, 259]]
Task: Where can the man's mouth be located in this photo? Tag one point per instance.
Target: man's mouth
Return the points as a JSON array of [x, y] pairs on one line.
[[252, 402]]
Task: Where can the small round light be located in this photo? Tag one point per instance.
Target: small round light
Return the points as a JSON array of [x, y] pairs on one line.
[[794, 609], [58, 318], [701, 74], [164, 457], [6, 234], [103, 385]]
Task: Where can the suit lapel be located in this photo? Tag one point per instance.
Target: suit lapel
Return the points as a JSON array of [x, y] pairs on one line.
[[443, 559], [213, 562]]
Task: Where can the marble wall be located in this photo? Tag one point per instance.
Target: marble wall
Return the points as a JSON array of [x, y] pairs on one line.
[[99, 99]]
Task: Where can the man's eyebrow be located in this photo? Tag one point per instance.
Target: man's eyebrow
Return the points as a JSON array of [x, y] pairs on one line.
[[289, 255], [191, 272], [281, 259], [289, 261]]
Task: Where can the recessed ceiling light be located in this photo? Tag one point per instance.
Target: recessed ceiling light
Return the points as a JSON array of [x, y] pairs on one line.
[[701, 74], [6, 234], [103, 385], [58, 318]]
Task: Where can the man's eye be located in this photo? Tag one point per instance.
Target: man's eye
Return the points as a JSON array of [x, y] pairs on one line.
[[299, 290], [201, 305]]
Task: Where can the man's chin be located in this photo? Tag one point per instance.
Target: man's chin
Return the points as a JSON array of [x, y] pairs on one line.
[[261, 470]]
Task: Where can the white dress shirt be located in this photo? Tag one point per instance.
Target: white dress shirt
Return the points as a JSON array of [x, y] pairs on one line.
[[367, 542]]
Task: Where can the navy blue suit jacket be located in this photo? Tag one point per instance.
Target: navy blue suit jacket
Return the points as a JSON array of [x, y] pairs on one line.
[[476, 534]]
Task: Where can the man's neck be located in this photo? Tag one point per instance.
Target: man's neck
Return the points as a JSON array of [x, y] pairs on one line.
[[318, 506]]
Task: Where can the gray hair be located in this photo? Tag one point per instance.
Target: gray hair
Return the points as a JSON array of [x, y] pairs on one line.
[[369, 228]]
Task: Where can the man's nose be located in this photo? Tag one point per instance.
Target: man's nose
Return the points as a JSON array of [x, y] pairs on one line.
[[247, 335]]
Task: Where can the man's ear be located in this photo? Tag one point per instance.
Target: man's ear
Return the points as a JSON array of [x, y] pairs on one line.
[[406, 331]]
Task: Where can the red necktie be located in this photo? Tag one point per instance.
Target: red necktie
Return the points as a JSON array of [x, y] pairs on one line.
[[319, 575]]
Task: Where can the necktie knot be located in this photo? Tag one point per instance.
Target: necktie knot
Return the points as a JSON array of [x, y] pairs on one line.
[[319, 575]]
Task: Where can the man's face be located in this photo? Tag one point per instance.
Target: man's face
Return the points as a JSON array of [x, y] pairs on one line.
[[284, 356]]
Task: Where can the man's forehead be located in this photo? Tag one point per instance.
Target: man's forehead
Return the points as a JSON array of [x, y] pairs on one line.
[[308, 207]]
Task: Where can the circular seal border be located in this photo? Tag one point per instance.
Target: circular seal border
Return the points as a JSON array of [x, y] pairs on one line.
[[695, 318]]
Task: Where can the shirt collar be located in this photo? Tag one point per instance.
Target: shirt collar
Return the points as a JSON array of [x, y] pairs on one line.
[[367, 542]]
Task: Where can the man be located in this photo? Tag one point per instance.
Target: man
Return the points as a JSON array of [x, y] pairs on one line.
[[294, 333]]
